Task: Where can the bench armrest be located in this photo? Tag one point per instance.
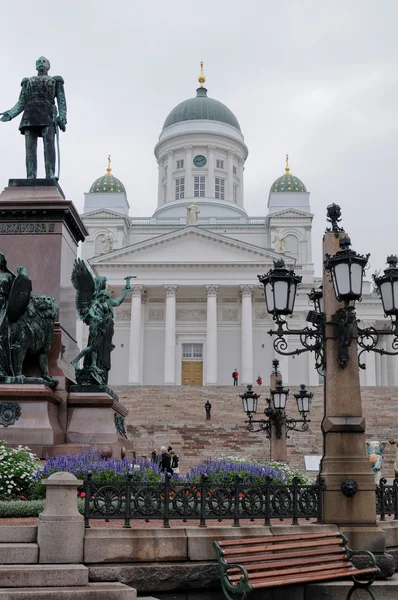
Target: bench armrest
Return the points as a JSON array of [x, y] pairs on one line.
[[351, 553], [242, 586]]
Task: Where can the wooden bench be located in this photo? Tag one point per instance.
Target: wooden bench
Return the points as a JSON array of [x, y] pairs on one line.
[[249, 564]]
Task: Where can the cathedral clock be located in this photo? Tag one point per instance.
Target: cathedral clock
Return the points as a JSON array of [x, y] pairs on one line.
[[199, 160]]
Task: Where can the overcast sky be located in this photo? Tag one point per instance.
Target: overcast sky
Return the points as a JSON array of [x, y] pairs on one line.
[[315, 79]]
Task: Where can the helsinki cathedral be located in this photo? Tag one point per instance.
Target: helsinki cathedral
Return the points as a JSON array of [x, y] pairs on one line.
[[196, 311]]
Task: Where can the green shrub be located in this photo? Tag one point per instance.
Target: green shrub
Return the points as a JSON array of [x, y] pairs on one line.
[[20, 509]]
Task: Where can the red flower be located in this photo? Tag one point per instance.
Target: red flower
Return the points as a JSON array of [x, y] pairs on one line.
[[82, 494]]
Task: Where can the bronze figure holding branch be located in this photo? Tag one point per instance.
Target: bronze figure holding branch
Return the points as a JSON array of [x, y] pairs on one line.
[[95, 306]]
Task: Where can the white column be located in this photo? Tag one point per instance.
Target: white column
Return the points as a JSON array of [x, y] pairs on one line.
[[160, 185], [370, 368], [246, 363], [135, 335], [211, 335], [170, 191], [241, 186], [170, 292], [378, 368], [383, 363], [210, 191], [283, 367], [188, 172], [230, 175], [392, 363], [309, 246]]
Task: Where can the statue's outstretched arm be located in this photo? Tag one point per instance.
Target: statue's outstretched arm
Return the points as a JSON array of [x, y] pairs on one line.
[[118, 301], [20, 105]]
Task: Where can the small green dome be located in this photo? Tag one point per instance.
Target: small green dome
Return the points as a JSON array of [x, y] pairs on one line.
[[108, 183], [201, 108], [288, 182]]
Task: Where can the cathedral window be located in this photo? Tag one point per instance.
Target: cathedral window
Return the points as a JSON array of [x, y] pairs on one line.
[[199, 186], [219, 163], [180, 188], [235, 170], [219, 188], [180, 164], [235, 192], [192, 351]]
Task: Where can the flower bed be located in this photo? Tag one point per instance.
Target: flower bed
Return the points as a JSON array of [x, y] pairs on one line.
[[21, 476]]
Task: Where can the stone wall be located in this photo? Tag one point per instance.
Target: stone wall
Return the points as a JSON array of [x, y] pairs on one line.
[[162, 415]]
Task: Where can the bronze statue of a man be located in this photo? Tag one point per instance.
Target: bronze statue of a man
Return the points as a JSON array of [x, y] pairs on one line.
[[40, 116]]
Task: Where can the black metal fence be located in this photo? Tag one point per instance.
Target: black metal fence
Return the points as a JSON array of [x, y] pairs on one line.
[[387, 499], [173, 499]]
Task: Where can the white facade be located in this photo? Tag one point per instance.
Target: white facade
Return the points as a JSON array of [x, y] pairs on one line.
[[196, 297]]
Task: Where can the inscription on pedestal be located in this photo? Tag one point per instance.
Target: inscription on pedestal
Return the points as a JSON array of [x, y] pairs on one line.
[[27, 227]]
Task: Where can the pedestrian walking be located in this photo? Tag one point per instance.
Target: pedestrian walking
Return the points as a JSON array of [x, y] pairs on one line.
[[208, 410], [235, 376], [165, 461], [174, 462], [259, 380]]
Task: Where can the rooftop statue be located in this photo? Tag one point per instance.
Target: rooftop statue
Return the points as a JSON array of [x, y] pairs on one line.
[[26, 327], [40, 118], [95, 306]]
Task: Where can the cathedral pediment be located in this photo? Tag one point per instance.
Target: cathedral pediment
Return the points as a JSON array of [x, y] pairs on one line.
[[290, 213], [103, 213], [188, 246]]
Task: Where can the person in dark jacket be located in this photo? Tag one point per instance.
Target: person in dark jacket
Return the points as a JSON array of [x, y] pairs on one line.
[[174, 462], [165, 462]]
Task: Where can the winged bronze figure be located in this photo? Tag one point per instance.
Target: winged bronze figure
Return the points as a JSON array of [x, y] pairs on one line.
[[94, 305]]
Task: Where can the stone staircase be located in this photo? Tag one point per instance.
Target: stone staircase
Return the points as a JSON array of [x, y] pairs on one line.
[[23, 578], [163, 415]]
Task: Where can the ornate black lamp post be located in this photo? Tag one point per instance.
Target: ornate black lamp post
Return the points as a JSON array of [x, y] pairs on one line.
[[337, 340], [346, 269], [275, 410]]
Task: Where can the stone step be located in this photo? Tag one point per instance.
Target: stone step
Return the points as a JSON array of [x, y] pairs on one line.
[[18, 554], [22, 576], [19, 534], [91, 591]]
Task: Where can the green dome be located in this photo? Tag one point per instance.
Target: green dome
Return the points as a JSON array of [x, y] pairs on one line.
[[288, 183], [201, 108], [108, 183]]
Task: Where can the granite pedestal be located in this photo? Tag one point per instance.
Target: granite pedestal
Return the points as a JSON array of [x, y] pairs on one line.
[[40, 230], [38, 425], [93, 419]]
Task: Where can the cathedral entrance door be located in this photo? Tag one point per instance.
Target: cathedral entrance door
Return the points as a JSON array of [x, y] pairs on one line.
[[192, 372]]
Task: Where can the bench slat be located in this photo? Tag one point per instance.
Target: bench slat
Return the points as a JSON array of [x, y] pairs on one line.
[[287, 546], [334, 551], [278, 538], [337, 566], [306, 579], [292, 562]]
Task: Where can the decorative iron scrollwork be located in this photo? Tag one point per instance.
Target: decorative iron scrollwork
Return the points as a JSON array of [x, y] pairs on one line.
[[9, 413], [344, 320]]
